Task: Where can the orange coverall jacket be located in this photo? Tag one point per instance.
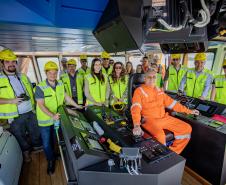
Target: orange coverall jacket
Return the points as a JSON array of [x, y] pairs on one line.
[[150, 103]]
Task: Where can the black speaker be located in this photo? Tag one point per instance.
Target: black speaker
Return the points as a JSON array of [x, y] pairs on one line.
[[120, 27]]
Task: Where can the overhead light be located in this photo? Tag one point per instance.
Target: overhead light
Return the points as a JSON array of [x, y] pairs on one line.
[[87, 46], [1, 48], [44, 38]]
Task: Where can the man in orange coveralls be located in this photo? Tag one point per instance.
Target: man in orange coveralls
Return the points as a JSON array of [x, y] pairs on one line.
[[150, 102]]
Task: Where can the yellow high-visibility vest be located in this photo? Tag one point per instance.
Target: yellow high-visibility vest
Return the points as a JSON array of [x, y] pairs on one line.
[[79, 86], [6, 91], [119, 90], [220, 85], [175, 77], [53, 99], [195, 85], [96, 89]]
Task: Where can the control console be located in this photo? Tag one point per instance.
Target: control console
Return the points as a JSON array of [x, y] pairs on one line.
[[205, 152], [206, 108], [118, 128]]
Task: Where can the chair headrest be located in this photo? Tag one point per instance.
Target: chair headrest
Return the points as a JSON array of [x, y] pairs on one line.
[[137, 79]]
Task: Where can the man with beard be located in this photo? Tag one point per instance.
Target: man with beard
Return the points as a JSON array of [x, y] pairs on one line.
[[17, 104]]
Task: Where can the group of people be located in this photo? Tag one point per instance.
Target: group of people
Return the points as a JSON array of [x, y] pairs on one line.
[[149, 100], [198, 82], [35, 111], [105, 83]]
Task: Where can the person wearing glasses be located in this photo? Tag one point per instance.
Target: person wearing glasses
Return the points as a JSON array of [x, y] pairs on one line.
[[118, 84], [197, 81], [218, 93], [17, 104], [106, 67], [73, 82], [174, 74], [150, 102], [159, 80], [84, 69], [96, 85]]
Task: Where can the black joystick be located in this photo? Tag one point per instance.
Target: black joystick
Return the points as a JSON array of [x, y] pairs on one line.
[[24, 96], [138, 138], [103, 114], [195, 117]]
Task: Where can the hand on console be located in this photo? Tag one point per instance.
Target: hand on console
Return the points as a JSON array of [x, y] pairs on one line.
[[202, 98], [195, 112], [137, 131]]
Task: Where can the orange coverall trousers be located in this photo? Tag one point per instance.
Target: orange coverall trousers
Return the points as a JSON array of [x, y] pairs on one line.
[[150, 103]]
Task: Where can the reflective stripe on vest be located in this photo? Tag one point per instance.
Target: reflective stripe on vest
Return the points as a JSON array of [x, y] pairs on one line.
[[220, 86], [53, 99], [11, 114], [175, 77]]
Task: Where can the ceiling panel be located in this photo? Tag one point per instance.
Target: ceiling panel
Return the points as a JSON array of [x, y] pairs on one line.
[[25, 38]]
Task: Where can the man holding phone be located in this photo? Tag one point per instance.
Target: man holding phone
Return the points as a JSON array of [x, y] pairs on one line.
[[17, 104]]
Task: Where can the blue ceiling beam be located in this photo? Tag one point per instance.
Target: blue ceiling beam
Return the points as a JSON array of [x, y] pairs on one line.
[[12, 11], [79, 14]]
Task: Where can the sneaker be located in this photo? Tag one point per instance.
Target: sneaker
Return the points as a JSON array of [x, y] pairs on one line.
[[51, 167], [27, 157]]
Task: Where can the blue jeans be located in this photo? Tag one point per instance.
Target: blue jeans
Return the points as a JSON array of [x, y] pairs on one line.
[[48, 138], [23, 124]]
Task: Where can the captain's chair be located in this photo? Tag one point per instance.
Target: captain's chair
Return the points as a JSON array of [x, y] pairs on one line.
[[135, 81]]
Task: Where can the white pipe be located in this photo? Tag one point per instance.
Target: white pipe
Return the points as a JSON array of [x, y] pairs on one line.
[[205, 13]]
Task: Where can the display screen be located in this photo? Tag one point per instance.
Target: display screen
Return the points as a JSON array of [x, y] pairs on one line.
[[94, 144], [76, 123], [203, 108], [87, 126]]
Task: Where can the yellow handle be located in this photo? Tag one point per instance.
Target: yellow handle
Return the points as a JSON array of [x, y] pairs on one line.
[[114, 147]]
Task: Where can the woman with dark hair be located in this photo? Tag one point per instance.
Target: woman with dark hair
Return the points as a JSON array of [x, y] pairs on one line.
[[129, 68], [119, 84], [139, 68], [96, 85]]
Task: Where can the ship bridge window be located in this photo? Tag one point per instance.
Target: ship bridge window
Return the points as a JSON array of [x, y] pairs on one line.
[[209, 60], [222, 70], [41, 63], [25, 65], [137, 59], [119, 59], [73, 57]]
